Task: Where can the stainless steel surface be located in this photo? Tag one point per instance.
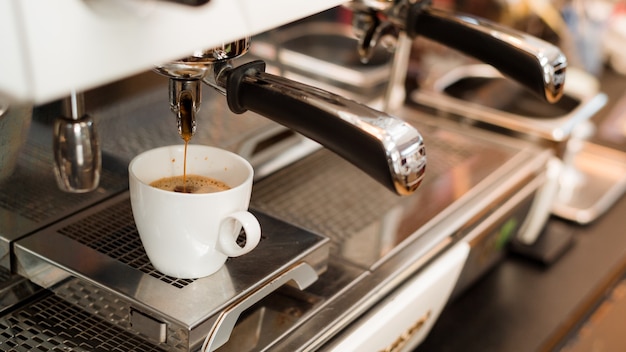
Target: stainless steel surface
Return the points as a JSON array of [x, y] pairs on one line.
[[77, 155], [355, 208], [484, 95], [302, 275], [593, 182], [14, 290], [101, 246], [324, 52], [478, 94]]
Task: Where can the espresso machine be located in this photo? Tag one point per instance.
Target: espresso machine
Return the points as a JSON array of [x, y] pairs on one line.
[[371, 219]]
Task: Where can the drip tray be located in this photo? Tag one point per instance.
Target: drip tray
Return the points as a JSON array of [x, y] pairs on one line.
[[99, 250], [52, 324]]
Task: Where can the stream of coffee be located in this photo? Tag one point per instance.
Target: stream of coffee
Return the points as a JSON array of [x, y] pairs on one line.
[[185, 168], [186, 130]]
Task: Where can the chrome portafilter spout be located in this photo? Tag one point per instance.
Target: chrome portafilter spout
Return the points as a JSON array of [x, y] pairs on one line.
[[185, 80], [77, 156], [185, 94], [185, 100], [532, 62]]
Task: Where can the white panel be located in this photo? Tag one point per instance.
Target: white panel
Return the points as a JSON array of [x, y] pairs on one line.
[[12, 61], [70, 44], [411, 310], [267, 14]]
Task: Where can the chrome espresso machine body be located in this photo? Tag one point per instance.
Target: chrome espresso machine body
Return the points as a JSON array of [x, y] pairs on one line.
[[354, 256]]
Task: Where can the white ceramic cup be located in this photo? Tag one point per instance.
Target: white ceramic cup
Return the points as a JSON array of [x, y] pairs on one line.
[[191, 235]]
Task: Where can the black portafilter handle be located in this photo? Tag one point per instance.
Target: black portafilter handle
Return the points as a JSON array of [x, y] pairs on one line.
[[534, 63], [386, 148]]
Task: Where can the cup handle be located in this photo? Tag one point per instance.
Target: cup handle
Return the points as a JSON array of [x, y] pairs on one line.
[[227, 242]]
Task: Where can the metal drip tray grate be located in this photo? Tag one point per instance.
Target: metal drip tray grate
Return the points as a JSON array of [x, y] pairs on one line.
[[52, 324], [100, 247], [30, 193], [286, 195], [112, 232]]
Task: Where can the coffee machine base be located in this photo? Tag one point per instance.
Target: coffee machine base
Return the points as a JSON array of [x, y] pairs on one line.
[[338, 248]]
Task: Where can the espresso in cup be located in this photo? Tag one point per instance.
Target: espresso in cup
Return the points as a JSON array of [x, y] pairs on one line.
[[190, 184]]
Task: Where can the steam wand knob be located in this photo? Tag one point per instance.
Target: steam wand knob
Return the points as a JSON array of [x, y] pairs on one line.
[[78, 161]]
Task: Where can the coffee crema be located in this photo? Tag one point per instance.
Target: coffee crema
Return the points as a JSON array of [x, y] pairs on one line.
[[190, 184]]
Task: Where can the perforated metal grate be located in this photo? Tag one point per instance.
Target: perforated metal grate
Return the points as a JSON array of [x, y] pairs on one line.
[[294, 194], [95, 301], [446, 151], [112, 232], [102, 303], [31, 191], [51, 324]]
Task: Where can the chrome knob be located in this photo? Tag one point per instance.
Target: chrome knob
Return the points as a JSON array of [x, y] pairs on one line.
[[78, 161]]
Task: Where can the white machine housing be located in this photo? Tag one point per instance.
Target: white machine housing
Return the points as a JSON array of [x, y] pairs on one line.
[[51, 48]]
